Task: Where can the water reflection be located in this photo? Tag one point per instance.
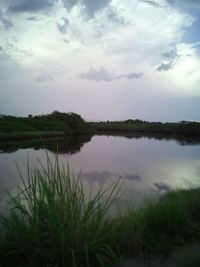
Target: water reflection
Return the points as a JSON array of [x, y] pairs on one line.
[[132, 177], [69, 145], [104, 176], [148, 165], [182, 140], [162, 187]]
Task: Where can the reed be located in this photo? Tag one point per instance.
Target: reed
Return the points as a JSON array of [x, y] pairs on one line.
[[52, 223]]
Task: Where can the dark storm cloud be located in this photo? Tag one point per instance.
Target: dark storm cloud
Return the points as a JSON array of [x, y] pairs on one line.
[[62, 27], [102, 74], [91, 6], [6, 23], [30, 6], [151, 3]]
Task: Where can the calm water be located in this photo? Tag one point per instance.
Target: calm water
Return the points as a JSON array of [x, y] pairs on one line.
[[148, 165]]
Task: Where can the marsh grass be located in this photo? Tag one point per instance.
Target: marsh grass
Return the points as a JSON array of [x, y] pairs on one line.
[[52, 223], [161, 226]]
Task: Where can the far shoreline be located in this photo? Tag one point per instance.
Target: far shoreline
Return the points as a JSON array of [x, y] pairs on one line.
[[34, 135]]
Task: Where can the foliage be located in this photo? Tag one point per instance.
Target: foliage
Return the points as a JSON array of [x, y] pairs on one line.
[[69, 123], [52, 223], [183, 127]]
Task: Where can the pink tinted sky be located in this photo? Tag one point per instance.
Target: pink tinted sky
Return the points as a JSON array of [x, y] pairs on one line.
[[105, 60]]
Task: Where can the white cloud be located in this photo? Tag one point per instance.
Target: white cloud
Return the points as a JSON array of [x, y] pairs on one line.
[[128, 37]]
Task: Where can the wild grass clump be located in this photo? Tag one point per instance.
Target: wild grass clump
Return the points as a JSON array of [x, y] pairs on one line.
[[161, 226], [52, 223]]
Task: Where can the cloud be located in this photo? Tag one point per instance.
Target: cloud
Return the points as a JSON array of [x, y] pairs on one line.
[[171, 55], [131, 76], [32, 19], [115, 17], [7, 24], [69, 4], [65, 40], [99, 177], [104, 75], [104, 176], [191, 4], [169, 62], [90, 6], [44, 77], [164, 66], [97, 75], [30, 6], [151, 3], [62, 27], [93, 6]]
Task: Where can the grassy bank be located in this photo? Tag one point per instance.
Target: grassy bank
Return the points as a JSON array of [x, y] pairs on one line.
[[56, 123], [52, 223], [183, 127], [31, 135]]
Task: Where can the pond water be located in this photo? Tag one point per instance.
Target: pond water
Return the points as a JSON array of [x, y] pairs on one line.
[[147, 165]]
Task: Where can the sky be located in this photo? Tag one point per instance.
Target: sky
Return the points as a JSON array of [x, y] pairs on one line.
[[102, 59]]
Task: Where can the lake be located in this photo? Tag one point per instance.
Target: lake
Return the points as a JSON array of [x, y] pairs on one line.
[[148, 166]]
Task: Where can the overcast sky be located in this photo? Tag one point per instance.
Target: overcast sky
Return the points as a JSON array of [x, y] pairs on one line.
[[103, 59]]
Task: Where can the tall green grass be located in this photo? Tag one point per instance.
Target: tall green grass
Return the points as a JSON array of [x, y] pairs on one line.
[[51, 222]]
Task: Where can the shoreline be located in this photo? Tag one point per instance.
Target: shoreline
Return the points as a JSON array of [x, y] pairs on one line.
[[36, 135], [31, 135]]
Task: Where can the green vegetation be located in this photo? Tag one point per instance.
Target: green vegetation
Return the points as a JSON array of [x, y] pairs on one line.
[[52, 223], [31, 135], [68, 145], [54, 124], [59, 124], [182, 127]]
